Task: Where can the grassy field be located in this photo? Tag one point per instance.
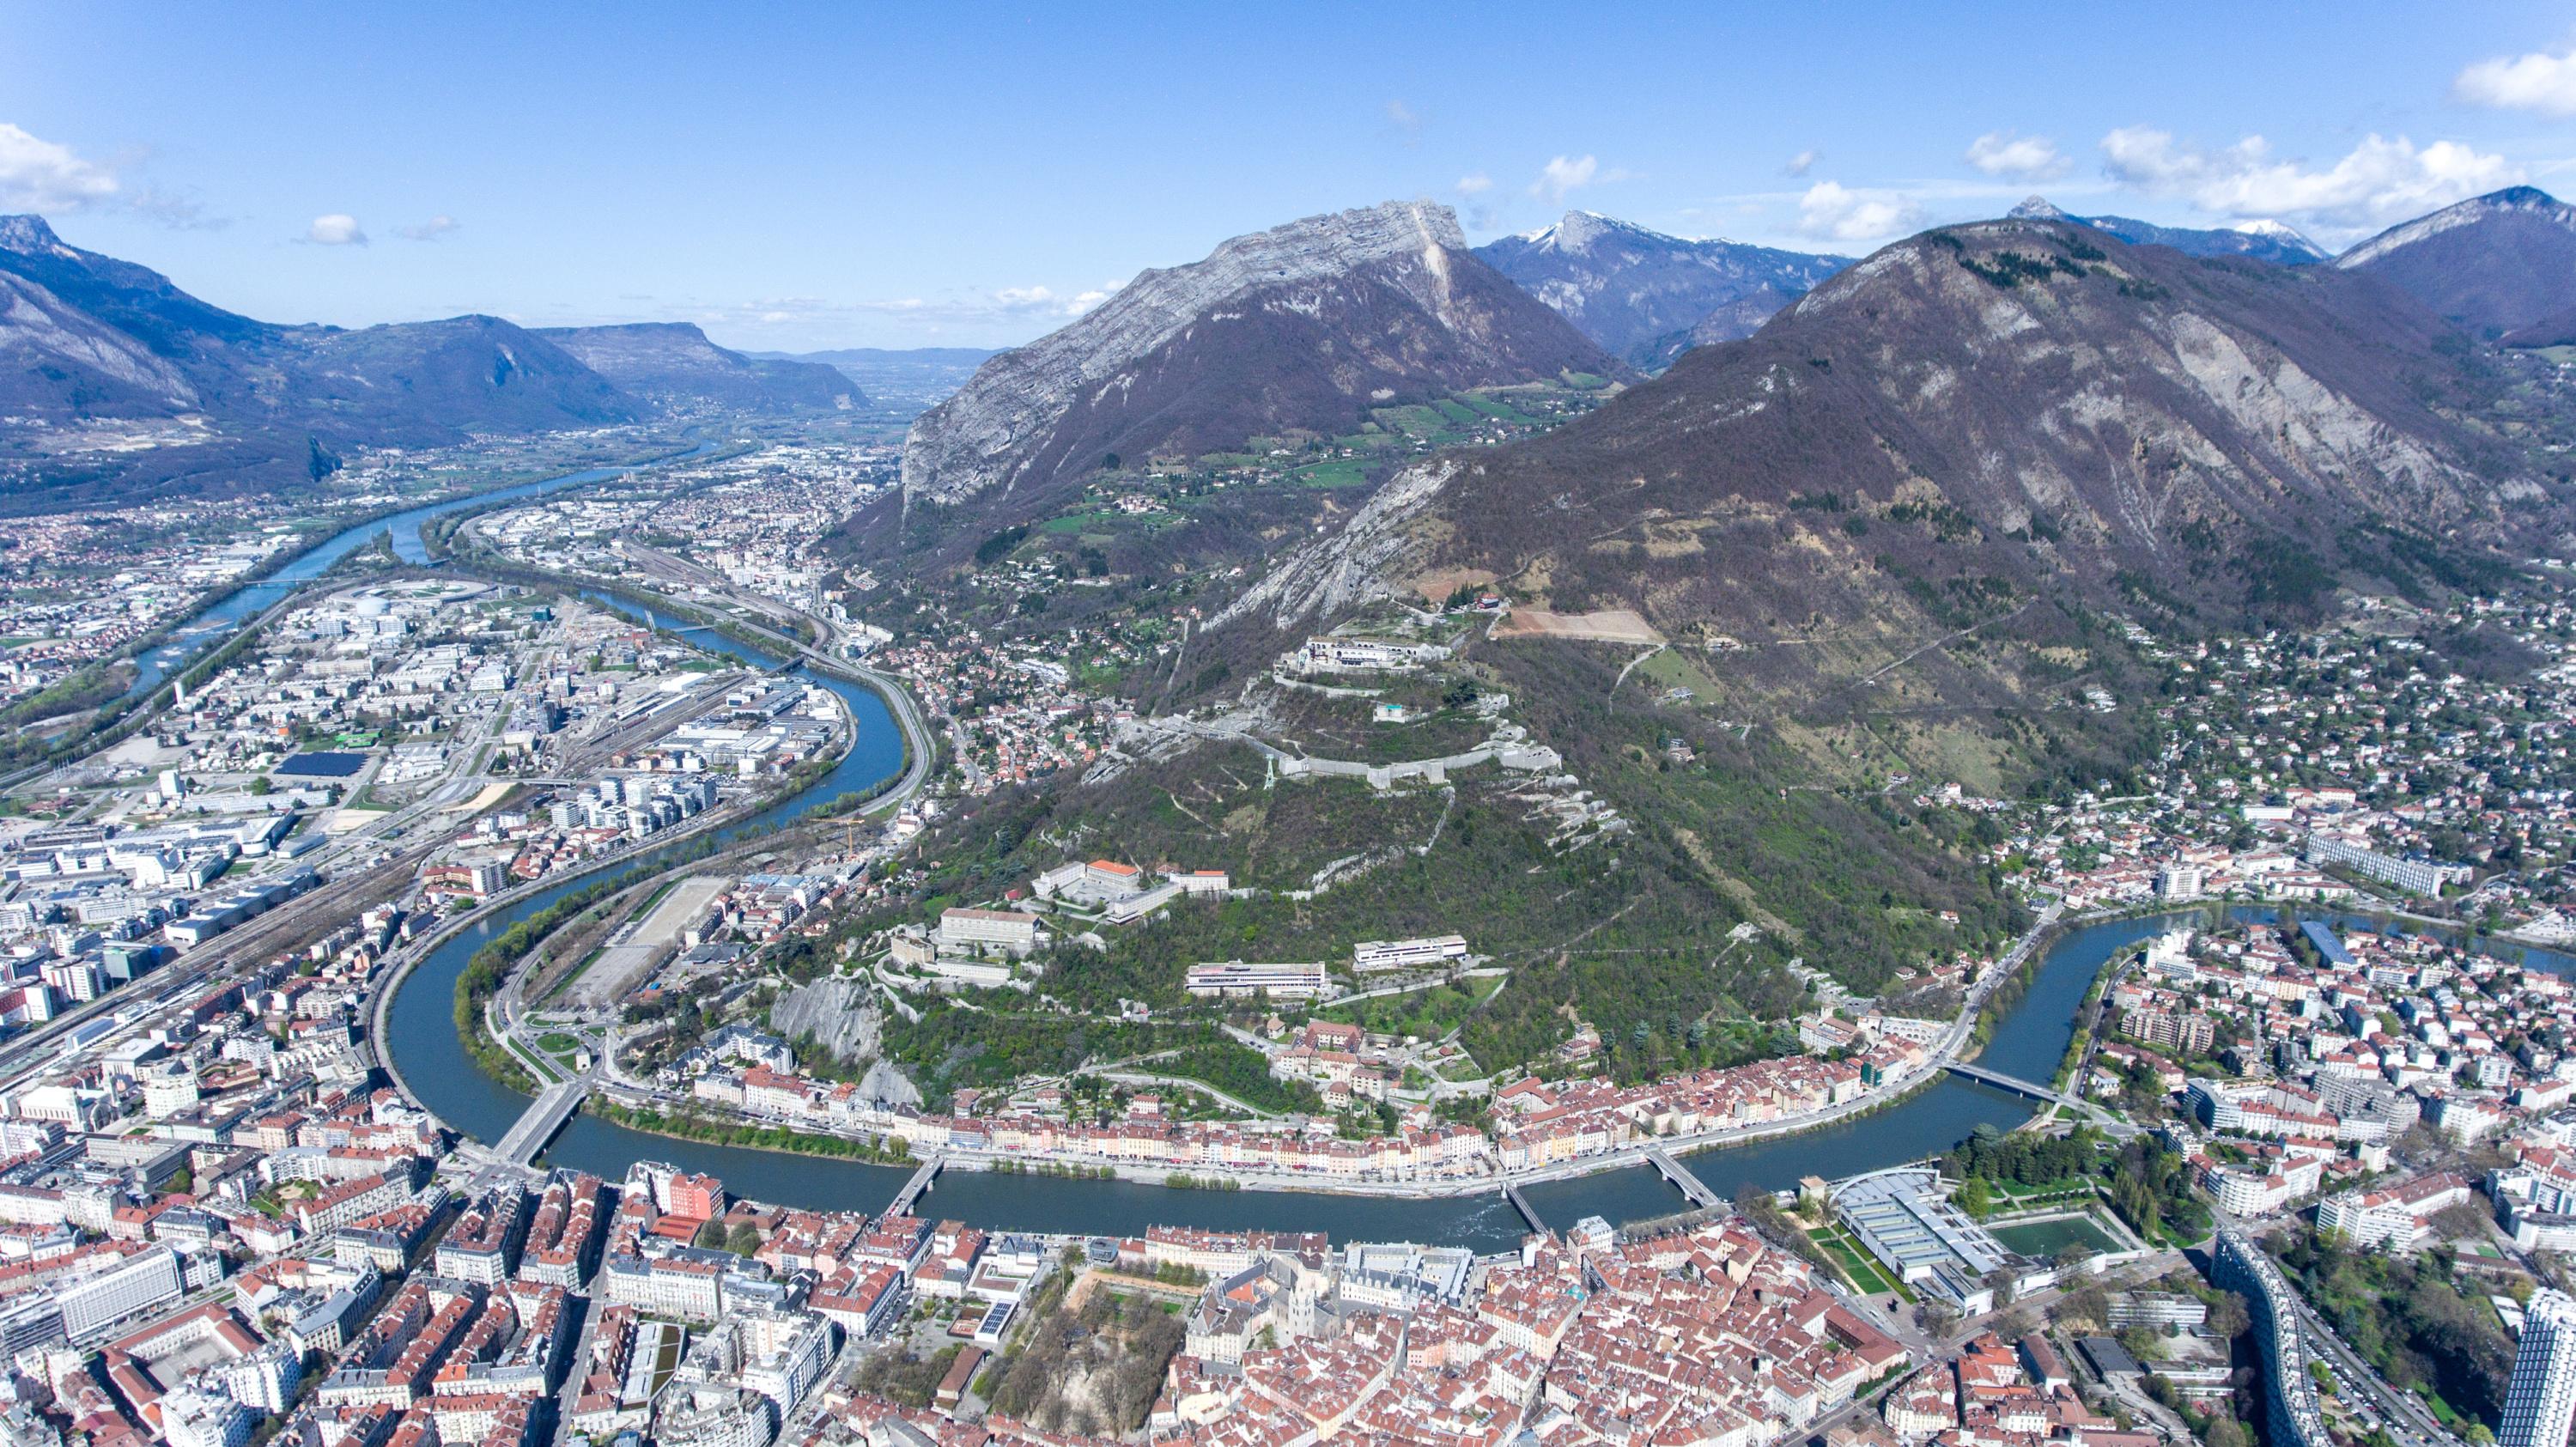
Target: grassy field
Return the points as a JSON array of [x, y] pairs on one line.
[[2047, 1238], [1498, 410], [1077, 522], [1673, 668], [1864, 1272], [1340, 472], [1428, 1013]]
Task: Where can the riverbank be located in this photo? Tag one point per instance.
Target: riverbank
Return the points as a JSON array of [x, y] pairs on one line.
[[761, 1133], [874, 771], [919, 749], [558, 885], [356, 530], [1219, 1177]]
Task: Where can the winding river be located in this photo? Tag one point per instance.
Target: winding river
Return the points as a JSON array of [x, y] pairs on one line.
[[224, 618], [421, 1034], [2029, 1041]]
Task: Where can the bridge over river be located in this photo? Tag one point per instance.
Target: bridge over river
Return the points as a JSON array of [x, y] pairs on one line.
[[545, 1115], [2082, 1110]]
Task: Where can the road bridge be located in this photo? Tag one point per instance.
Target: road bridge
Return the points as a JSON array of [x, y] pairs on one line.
[[1692, 1186], [904, 1199], [2013, 1083], [544, 1116]]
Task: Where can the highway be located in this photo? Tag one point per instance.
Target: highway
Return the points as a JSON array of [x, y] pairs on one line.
[[2403, 1413]]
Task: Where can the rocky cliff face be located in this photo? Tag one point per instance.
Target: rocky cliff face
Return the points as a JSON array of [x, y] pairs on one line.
[[1646, 297], [674, 365], [842, 1017], [1303, 327], [1989, 412], [2495, 263], [66, 361]]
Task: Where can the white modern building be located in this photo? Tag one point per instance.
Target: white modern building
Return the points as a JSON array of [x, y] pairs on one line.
[[2181, 881], [2541, 1397], [2400, 1218], [150, 1277], [1286, 981], [1372, 955], [191, 1418], [2416, 876]]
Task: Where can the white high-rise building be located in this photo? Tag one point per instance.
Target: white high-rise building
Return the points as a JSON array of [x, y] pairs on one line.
[[2541, 1398]]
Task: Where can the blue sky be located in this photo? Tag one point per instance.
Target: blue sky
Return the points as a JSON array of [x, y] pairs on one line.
[[802, 177]]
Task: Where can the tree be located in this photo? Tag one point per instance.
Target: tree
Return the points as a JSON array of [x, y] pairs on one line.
[[2087, 1303], [260, 787], [743, 1239], [2000, 1282], [2454, 1223], [2228, 1316], [711, 1236]]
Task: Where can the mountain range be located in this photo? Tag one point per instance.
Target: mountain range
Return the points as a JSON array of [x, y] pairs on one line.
[[1304, 327], [2502, 265], [908, 378], [86, 337], [126, 385], [674, 365], [1646, 297], [1971, 419], [2256, 240]]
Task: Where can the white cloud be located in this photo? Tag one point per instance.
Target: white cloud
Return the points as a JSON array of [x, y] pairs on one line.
[[1832, 211], [1404, 118], [1567, 174], [1803, 162], [2379, 182], [38, 175], [336, 229], [1475, 185], [2539, 82], [1043, 301], [430, 230], [2024, 158], [176, 211]]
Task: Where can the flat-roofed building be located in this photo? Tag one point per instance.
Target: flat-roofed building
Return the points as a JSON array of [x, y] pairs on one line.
[[1234, 978], [1010, 930], [1372, 955]]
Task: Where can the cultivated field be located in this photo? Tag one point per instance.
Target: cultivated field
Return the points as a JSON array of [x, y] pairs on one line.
[[1610, 625]]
